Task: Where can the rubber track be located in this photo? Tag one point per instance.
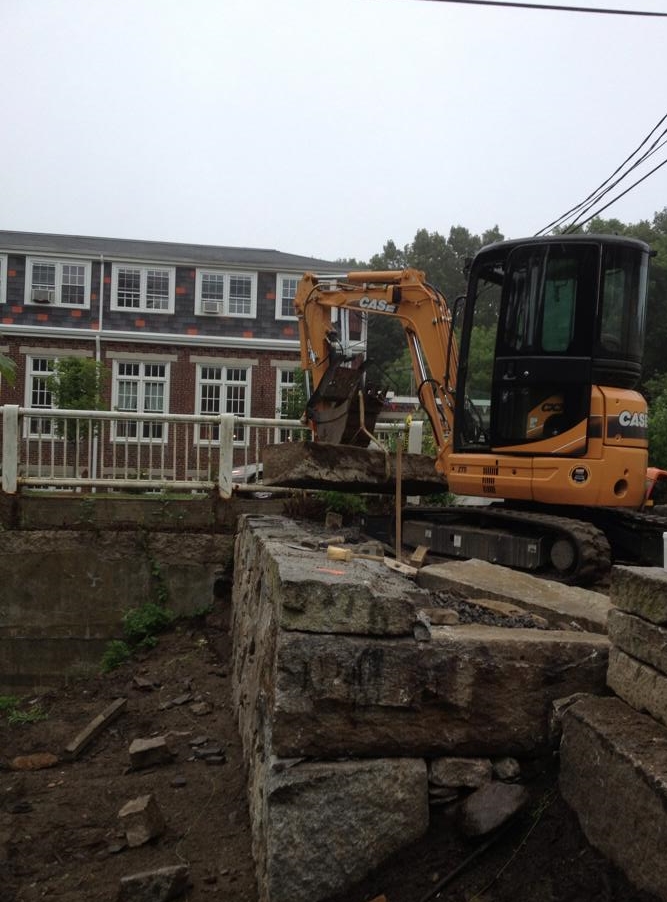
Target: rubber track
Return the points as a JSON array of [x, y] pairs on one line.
[[593, 549]]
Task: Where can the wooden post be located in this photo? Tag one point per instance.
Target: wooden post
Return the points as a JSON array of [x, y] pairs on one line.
[[399, 495]]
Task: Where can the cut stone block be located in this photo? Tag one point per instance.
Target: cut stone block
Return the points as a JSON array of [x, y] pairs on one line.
[[472, 690], [561, 606], [310, 593], [320, 465], [641, 591], [613, 774], [640, 685], [641, 639], [328, 824]]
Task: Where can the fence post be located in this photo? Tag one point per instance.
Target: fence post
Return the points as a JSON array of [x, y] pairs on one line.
[[415, 436], [226, 455], [10, 448]]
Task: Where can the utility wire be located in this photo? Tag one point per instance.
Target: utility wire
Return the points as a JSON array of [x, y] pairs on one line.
[[612, 182], [613, 185], [558, 7], [618, 196], [601, 190]]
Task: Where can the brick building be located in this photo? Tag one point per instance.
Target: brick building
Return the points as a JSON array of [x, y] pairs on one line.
[[180, 328]]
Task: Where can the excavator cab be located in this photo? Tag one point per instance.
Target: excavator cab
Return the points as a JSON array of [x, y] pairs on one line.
[[552, 337], [545, 321]]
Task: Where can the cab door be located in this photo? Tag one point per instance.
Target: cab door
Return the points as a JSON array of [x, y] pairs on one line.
[[541, 384]]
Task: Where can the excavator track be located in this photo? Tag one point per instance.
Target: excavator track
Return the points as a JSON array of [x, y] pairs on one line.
[[569, 550]]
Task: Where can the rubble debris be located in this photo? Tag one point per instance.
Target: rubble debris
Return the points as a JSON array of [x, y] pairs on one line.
[[142, 820], [490, 806], [36, 761], [422, 627], [506, 769], [150, 752], [94, 728], [155, 886], [451, 772], [419, 555], [322, 465]]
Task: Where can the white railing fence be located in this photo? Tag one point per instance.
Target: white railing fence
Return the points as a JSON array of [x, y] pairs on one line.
[[150, 452]]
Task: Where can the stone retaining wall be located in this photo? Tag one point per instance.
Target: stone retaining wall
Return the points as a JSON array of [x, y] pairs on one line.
[[336, 661], [614, 750]]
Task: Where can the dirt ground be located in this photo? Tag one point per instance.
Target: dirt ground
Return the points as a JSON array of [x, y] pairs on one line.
[[61, 837]]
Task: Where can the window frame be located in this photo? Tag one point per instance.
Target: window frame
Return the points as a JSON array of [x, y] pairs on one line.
[[281, 278], [143, 269], [58, 264], [227, 276], [141, 380], [241, 433], [30, 375]]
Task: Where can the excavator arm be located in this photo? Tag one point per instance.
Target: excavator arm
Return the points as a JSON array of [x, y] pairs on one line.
[[339, 396]]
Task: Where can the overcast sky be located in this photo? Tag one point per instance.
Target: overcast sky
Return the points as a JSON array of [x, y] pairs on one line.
[[319, 127]]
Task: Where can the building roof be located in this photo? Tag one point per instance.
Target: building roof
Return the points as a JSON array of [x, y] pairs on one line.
[[159, 252]]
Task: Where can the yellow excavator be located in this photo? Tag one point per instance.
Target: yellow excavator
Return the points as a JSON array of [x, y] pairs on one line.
[[548, 425]]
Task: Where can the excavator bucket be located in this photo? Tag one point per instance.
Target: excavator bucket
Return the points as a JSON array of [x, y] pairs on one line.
[[342, 410]]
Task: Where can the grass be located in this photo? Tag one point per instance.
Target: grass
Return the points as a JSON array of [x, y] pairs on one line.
[[10, 707]]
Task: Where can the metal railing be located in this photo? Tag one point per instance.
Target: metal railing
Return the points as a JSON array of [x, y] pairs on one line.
[[113, 450]]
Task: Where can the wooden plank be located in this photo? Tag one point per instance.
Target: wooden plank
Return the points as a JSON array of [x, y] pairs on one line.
[[95, 727]]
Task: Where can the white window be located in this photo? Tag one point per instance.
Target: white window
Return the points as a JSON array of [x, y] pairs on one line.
[[222, 389], [62, 282], [140, 388], [38, 395], [3, 279], [226, 293], [285, 292], [145, 288]]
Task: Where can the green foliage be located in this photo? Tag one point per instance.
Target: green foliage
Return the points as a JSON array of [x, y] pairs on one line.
[[7, 369], [444, 261], [76, 383], [114, 655], [342, 502], [657, 431], [10, 707], [32, 715], [140, 625]]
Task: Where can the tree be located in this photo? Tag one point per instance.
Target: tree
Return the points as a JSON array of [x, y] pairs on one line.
[[444, 262], [7, 369], [76, 383]]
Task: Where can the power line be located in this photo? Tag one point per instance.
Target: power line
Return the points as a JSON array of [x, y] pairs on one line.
[[618, 196], [612, 182], [557, 7]]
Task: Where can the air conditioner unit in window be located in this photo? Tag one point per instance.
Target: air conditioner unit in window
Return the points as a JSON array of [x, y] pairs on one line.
[[42, 295], [210, 307]]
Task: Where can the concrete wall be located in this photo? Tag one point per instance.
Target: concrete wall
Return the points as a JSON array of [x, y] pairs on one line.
[[70, 566]]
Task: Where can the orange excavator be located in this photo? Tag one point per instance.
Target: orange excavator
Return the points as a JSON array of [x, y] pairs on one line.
[[550, 337]]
